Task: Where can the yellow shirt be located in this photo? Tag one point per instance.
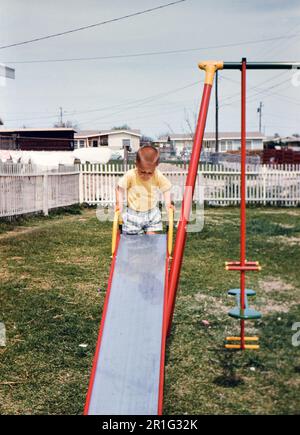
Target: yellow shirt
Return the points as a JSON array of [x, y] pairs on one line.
[[143, 195]]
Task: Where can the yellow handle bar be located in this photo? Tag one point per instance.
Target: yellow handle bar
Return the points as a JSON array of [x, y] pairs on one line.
[[116, 222], [170, 232]]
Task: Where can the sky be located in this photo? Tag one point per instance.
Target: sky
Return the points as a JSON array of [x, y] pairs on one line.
[[157, 94]]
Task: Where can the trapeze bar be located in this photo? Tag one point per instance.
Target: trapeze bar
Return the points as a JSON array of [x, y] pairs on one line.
[[262, 65]]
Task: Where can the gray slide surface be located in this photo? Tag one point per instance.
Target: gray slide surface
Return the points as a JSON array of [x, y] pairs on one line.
[[128, 366]]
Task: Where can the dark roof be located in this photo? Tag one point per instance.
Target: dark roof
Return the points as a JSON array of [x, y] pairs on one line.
[[20, 130]]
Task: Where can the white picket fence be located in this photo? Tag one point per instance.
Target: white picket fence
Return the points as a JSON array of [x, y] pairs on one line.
[[266, 185], [27, 189]]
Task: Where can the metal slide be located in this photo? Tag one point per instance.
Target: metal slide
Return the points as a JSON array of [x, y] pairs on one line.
[[128, 367]]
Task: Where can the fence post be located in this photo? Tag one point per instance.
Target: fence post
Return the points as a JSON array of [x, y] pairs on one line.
[[80, 180], [45, 194], [264, 185]]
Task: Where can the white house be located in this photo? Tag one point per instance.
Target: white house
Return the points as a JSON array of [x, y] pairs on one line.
[[230, 141], [115, 140]]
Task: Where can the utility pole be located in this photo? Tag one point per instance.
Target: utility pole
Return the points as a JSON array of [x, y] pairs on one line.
[[61, 116], [259, 110], [5, 73]]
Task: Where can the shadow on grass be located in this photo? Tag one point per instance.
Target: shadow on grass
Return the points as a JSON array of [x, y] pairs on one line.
[[229, 378]]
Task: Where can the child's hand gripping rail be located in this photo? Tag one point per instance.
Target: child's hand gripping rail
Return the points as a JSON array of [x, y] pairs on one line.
[[117, 221], [170, 230]]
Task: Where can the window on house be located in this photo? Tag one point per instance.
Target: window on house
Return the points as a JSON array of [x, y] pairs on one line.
[[81, 143], [75, 144], [248, 144], [223, 146], [257, 144], [95, 143], [103, 140], [229, 145], [236, 145], [126, 143]]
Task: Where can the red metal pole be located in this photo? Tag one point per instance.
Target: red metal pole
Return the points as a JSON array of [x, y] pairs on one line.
[[210, 68], [243, 200], [187, 203], [163, 339]]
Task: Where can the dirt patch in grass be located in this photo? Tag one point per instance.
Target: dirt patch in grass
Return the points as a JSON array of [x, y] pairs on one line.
[[290, 241], [271, 285], [287, 226], [17, 258], [270, 308], [40, 283], [4, 274], [211, 304], [76, 260], [277, 287], [220, 221], [285, 212], [21, 230], [88, 290], [294, 382]]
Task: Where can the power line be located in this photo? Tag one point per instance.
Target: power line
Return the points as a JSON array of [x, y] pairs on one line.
[[152, 53], [274, 48], [90, 26], [144, 101], [259, 91], [236, 94], [132, 104], [267, 94]]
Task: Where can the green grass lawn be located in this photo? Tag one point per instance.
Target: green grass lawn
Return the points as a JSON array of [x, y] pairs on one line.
[[53, 278]]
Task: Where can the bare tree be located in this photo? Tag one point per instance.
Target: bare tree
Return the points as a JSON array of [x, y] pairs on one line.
[[190, 122], [146, 140], [164, 135], [122, 127], [67, 124]]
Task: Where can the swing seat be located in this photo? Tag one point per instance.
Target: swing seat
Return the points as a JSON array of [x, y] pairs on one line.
[[246, 314], [237, 292]]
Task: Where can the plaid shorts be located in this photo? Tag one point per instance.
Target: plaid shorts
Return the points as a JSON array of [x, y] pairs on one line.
[[139, 222]]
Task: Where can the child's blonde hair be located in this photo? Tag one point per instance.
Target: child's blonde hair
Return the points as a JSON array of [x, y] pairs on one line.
[[148, 154]]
